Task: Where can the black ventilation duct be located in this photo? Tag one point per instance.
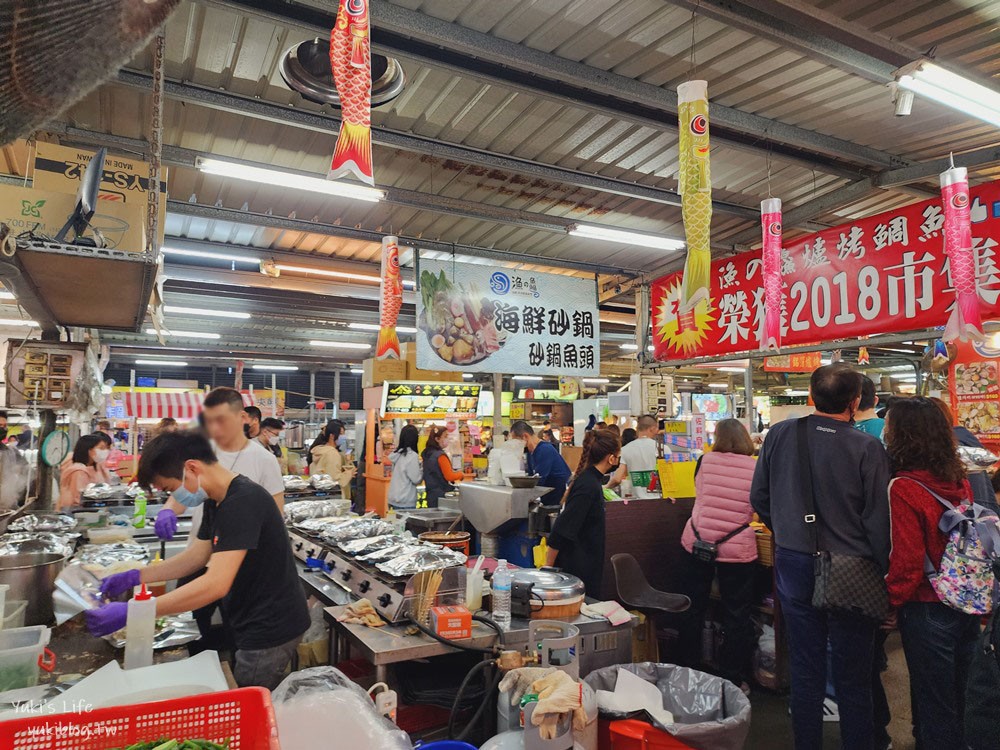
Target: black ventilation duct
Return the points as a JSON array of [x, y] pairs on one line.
[[306, 69]]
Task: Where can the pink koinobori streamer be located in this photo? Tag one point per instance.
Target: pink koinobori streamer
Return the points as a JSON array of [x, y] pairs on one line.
[[965, 321], [770, 224]]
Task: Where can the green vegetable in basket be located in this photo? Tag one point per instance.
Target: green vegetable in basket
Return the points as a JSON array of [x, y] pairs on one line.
[[18, 676], [168, 744]]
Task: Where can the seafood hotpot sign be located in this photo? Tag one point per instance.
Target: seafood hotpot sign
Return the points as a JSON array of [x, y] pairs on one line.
[[975, 391], [478, 318]]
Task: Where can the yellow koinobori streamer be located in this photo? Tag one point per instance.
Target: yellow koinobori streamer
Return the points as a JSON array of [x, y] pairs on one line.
[[695, 187]]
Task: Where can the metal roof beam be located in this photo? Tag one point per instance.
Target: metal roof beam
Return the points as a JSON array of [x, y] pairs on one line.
[[893, 178], [811, 31], [326, 123], [414, 35]]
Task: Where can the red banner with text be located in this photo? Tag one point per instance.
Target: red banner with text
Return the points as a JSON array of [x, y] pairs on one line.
[[883, 274]]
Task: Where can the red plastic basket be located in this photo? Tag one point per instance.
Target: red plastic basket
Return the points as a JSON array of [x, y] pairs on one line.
[[245, 717]]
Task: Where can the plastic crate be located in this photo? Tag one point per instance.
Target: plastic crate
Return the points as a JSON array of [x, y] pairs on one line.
[[13, 613], [243, 716]]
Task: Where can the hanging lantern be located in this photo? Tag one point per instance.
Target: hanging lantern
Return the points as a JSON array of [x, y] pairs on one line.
[[770, 224]]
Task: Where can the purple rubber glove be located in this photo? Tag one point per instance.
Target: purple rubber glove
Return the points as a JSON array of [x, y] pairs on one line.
[[166, 524], [117, 584], [107, 619]]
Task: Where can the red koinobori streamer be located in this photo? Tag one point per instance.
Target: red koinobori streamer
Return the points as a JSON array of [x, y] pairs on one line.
[[351, 62], [770, 223], [965, 321]]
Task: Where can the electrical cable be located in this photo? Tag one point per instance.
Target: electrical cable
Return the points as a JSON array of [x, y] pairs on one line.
[[487, 696], [490, 622], [492, 651]]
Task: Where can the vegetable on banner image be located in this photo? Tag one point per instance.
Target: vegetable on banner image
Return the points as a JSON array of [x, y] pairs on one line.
[[472, 317], [886, 273]]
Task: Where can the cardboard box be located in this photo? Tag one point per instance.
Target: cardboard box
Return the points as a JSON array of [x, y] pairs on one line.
[[408, 350], [60, 168], [45, 211], [453, 622], [377, 371]]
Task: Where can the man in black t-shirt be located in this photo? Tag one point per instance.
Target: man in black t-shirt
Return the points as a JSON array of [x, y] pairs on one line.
[[243, 543]]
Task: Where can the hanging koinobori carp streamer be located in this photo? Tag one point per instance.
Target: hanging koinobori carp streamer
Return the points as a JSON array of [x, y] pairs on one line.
[[770, 224], [965, 321], [390, 301], [351, 62], [695, 187]]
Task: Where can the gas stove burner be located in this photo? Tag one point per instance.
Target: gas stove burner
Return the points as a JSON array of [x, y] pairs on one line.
[[306, 68]]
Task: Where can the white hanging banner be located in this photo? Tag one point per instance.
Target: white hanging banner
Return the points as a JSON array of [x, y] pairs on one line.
[[474, 318]]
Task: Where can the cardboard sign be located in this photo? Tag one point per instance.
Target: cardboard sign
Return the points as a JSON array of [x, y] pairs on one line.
[[415, 400]]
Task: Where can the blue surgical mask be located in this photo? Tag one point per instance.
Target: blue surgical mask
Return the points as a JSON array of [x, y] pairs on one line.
[[187, 498]]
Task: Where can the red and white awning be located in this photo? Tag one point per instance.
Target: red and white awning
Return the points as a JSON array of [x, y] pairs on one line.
[[184, 407]]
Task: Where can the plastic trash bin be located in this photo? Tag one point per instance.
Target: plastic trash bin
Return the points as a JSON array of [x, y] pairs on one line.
[[710, 713]]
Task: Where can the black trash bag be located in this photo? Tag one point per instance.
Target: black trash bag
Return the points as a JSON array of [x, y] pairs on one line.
[[710, 713]]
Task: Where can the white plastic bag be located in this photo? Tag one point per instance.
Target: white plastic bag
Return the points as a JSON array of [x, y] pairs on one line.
[[321, 705]]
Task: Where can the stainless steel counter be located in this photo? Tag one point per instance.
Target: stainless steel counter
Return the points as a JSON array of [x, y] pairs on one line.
[[490, 507]]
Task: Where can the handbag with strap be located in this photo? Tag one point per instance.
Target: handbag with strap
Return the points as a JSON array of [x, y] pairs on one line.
[[706, 552], [846, 584]]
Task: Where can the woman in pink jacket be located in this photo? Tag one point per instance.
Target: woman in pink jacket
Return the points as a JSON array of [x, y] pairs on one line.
[[719, 541]]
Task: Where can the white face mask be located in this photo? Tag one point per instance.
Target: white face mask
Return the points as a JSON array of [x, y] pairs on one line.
[[101, 455], [273, 440]]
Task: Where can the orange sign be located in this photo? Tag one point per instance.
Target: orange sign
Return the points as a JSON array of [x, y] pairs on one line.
[[793, 362]]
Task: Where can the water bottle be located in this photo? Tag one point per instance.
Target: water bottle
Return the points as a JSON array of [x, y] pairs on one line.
[[140, 627], [501, 595], [139, 514]]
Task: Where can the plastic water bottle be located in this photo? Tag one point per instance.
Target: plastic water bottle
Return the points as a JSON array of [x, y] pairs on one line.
[[501, 595], [140, 627], [139, 514]]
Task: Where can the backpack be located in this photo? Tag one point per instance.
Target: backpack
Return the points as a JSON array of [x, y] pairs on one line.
[[965, 580]]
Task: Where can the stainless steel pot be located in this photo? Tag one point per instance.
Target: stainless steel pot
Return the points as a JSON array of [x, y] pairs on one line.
[[32, 576], [294, 439]]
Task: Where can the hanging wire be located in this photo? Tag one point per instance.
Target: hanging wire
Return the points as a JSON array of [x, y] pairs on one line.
[[769, 171], [693, 60]]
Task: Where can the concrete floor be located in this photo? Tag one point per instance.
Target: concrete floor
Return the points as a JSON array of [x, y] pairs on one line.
[[771, 726]]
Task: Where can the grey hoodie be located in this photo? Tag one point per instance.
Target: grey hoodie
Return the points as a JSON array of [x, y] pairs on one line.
[[406, 475]]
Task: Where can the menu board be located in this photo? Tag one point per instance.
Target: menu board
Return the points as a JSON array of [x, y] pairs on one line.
[[416, 400], [42, 373], [975, 392]]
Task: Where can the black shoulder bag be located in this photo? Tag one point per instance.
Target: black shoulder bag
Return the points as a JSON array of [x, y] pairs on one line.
[[846, 584], [706, 552]]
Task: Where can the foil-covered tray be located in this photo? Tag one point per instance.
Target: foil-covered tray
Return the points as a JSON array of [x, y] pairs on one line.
[[53, 522], [294, 483], [100, 491], [322, 482], [26, 542], [976, 458], [359, 528], [302, 510], [420, 560], [369, 544], [111, 555]]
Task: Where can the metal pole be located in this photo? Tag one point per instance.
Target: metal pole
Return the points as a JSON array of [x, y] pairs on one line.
[[497, 409], [312, 396], [336, 394], [748, 394], [134, 425], [274, 395]]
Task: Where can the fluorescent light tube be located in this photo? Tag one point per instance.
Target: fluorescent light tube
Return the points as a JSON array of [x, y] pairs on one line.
[[950, 89], [468, 375], [377, 327], [228, 258], [595, 232], [349, 275], [596, 381], [531, 378], [277, 178], [185, 334], [731, 369], [161, 362], [206, 313], [340, 344], [289, 368], [18, 323], [718, 385], [635, 347], [357, 372], [6, 295]]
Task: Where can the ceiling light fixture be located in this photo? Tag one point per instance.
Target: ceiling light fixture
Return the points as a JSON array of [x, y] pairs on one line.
[[348, 275], [718, 385], [290, 180], [18, 323], [340, 345], [635, 347], [609, 234], [931, 81], [206, 255], [357, 372], [206, 313], [529, 378], [596, 381], [468, 375], [161, 362], [284, 368], [731, 369], [377, 327], [185, 334]]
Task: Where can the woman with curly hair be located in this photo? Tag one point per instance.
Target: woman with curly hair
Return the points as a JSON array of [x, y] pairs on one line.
[[938, 641], [576, 543]]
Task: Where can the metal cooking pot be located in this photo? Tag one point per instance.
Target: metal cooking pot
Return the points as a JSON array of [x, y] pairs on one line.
[[294, 436], [550, 584], [32, 576]]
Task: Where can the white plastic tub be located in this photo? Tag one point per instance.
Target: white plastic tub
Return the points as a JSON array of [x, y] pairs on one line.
[[13, 613], [22, 652]]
